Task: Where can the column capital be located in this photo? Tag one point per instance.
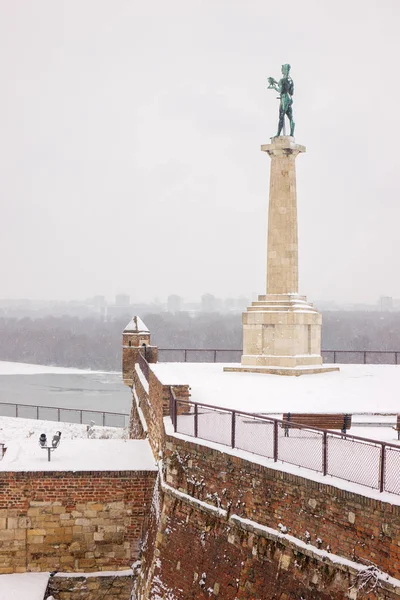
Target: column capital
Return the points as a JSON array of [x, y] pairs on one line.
[[283, 145]]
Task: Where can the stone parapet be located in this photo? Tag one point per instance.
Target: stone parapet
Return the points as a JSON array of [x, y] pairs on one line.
[[96, 587]]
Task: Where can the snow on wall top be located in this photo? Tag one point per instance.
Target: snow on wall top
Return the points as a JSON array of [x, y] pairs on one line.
[[354, 389], [15, 368], [136, 325], [79, 455], [21, 586]]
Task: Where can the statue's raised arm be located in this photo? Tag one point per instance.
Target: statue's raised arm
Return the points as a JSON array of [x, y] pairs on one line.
[[273, 84], [285, 87]]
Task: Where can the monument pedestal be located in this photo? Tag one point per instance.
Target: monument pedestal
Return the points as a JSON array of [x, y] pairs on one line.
[[282, 331], [282, 336]]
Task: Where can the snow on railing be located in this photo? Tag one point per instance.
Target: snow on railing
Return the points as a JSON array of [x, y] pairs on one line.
[[356, 459]]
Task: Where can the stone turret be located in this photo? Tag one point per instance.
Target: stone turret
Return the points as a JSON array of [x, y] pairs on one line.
[[135, 339]]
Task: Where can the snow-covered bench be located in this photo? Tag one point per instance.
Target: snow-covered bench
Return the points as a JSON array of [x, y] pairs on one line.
[[397, 427], [321, 421]]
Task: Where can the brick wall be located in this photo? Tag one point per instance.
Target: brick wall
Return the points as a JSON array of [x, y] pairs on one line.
[[72, 521], [199, 556], [154, 410], [350, 524]]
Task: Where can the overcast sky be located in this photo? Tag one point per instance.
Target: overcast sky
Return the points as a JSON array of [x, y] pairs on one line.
[[130, 136]]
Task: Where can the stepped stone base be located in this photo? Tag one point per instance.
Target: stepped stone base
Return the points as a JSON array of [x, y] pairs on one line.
[[294, 371], [282, 335]]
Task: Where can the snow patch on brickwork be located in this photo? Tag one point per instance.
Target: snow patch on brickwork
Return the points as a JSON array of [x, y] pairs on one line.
[[142, 378], [308, 548], [205, 506], [140, 412]]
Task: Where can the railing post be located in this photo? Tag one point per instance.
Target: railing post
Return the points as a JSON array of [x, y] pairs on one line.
[[196, 420], [16, 410], [275, 441], [185, 355], [334, 357], [365, 357], [81, 417], [104, 419], [175, 412], [215, 356], [325, 453], [382, 468], [37, 413], [233, 430], [58, 415]]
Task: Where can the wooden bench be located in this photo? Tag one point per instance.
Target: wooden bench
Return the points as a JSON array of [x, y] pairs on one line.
[[321, 421], [397, 427]]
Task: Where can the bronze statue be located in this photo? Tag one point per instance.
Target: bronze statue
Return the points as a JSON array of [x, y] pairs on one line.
[[285, 87]]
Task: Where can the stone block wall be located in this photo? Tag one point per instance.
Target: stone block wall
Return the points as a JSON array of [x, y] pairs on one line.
[[118, 587], [72, 521]]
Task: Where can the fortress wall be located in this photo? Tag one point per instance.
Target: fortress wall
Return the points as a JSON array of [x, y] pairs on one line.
[[72, 521], [153, 410], [199, 556], [215, 527], [208, 549], [351, 525]]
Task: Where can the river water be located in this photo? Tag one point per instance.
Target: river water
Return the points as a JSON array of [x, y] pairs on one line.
[[89, 391]]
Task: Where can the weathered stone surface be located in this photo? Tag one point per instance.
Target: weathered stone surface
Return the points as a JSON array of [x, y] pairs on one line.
[[90, 588], [50, 521]]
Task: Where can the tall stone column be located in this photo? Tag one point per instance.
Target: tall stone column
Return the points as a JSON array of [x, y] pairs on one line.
[[282, 254], [281, 330]]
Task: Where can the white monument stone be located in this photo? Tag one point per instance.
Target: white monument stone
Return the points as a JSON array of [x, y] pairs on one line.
[[281, 330]]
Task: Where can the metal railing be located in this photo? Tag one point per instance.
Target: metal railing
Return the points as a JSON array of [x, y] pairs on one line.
[[356, 459], [66, 415], [372, 357]]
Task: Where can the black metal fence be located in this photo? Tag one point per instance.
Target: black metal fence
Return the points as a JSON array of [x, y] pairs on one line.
[[66, 415], [371, 357], [199, 355], [364, 461]]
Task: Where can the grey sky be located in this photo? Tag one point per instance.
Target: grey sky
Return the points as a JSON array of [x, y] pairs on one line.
[[130, 136]]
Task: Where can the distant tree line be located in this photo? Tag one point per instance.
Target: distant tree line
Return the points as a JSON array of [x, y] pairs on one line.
[[96, 344]]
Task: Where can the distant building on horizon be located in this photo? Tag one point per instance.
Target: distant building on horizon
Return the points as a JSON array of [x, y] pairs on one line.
[[174, 303]]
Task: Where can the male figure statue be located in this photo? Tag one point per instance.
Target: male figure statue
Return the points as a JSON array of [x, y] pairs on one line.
[[285, 87]]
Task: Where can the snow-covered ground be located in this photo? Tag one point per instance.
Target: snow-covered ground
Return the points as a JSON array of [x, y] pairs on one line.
[[19, 429], [80, 455], [23, 586], [354, 389]]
